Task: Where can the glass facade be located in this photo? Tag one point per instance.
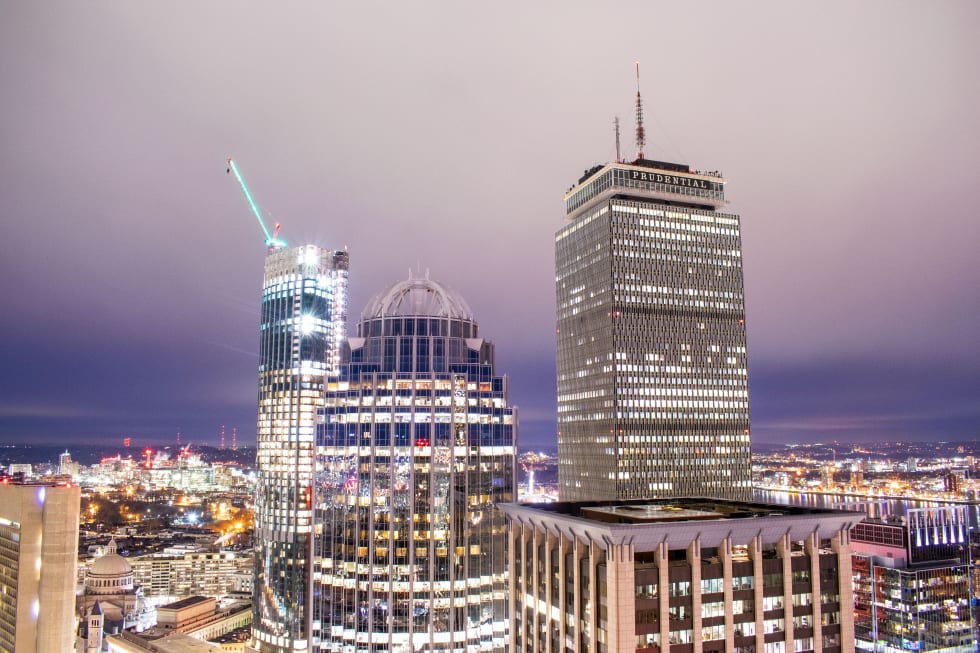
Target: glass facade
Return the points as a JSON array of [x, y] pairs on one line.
[[304, 310], [900, 610], [652, 372], [9, 573], [912, 582], [416, 446]]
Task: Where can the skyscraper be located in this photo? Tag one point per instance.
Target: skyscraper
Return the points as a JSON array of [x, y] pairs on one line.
[[416, 447], [304, 310], [652, 378], [38, 554]]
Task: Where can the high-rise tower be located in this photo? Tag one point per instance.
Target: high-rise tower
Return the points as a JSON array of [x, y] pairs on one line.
[[416, 447], [304, 310], [38, 558], [652, 378]]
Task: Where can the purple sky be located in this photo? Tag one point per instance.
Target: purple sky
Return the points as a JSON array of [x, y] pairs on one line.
[[442, 136]]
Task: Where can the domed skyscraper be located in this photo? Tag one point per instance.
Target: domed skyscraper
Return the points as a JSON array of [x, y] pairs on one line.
[[416, 447]]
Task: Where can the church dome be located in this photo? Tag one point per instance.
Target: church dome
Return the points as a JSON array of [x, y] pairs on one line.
[[417, 297], [111, 573], [111, 564]]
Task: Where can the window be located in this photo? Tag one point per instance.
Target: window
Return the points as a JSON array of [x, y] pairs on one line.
[[680, 588]]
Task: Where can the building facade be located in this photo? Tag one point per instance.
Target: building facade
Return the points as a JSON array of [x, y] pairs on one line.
[[38, 553], [304, 311], [912, 582], [416, 447], [652, 373], [685, 575], [168, 577]]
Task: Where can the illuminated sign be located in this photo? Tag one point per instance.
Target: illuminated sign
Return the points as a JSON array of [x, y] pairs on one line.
[[660, 177]]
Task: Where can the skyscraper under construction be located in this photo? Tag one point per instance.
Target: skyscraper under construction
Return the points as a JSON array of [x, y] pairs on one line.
[[304, 310]]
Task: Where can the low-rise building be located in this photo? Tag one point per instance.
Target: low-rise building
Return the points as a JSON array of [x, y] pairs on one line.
[[686, 574], [912, 582], [193, 619]]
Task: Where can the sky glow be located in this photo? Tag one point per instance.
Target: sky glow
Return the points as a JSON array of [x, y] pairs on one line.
[[442, 138]]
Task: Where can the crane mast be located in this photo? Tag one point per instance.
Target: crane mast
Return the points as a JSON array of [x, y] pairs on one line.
[[272, 240]]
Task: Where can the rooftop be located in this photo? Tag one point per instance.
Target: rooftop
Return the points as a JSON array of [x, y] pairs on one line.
[[675, 509], [187, 602], [661, 181], [678, 521]]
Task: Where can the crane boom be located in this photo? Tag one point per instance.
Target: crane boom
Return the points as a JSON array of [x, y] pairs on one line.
[[272, 241]]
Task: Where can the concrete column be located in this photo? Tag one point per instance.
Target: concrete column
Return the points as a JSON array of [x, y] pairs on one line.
[[784, 550], [755, 554], [59, 552], [563, 545], [595, 553], [694, 560], [663, 592], [536, 625], [841, 544], [550, 544], [813, 550], [621, 597], [579, 550], [725, 548], [516, 531]]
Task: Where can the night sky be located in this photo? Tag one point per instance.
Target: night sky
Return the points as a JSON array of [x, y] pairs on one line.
[[441, 137]]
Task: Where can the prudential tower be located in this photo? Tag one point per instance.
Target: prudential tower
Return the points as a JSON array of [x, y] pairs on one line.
[[652, 374]]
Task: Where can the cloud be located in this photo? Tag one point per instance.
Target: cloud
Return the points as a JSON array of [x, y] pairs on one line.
[[10, 410]]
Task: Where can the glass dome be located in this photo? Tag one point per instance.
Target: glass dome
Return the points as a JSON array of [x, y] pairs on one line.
[[418, 297]]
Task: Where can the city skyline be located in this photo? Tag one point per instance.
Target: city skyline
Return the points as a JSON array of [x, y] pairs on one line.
[[131, 263]]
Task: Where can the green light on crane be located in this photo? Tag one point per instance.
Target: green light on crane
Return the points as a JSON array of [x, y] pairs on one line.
[[272, 241]]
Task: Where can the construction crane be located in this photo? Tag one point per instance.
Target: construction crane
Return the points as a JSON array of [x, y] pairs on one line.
[[272, 241]]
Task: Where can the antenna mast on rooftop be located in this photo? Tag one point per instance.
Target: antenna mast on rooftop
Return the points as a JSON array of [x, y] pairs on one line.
[[641, 139], [616, 123]]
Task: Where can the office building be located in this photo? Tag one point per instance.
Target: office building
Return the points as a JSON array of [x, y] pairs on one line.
[[67, 466], [681, 574], [170, 576], [38, 552], [303, 316], [912, 582], [652, 375], [416, 447]]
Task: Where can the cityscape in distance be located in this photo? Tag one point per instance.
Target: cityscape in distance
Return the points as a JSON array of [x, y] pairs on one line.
[[303, 353]]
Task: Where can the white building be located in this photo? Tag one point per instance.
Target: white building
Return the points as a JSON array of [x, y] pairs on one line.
[[110, 602]]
